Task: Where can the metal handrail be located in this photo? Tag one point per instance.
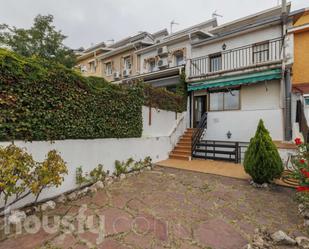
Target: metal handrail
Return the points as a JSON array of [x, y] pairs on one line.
[[198, 132], [239, 57]]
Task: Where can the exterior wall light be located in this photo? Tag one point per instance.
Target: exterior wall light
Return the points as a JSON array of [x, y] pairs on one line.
[[229, 134], [224, 46]]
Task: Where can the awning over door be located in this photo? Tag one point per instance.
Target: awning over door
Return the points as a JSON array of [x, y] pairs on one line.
[[248, 78]]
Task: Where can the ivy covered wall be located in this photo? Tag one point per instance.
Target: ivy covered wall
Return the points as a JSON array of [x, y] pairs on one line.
[[44, 101]]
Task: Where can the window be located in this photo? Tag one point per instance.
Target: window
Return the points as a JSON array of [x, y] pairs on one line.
[[152, 65], [260, 52], [215, 62], [179, 60], [127, 62], [92, 66], [224, 100], [108, 69]]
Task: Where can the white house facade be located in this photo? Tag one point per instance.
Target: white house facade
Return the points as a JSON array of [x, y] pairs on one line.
[[162, 63], [236, 76]]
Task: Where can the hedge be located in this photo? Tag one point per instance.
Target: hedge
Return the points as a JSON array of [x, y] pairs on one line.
[[44, 101], [40, 100]]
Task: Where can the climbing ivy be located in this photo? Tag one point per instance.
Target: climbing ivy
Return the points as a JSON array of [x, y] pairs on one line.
[[163, 99], [40, 100]]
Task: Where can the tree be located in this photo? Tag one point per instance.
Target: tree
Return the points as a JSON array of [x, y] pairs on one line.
[[262, 160], [41, 40], [21, 175]]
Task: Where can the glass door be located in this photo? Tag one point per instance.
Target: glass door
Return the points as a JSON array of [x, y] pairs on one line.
[[200, 107]]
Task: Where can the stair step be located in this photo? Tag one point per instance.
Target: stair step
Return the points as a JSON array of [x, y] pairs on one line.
[[179, 157], [184, 143], [183, 147], [181, 152], [186, 140]]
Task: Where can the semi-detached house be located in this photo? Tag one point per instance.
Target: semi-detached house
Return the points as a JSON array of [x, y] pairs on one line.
[[236, 73]]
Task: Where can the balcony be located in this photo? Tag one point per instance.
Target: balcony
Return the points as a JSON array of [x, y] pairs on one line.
[[253, 55]]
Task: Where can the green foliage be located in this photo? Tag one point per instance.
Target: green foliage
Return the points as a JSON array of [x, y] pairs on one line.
[[130, 165], [41, 40], [181, 88], [95, 175], [15, 171], [46, 101], [262, 160], [162, 99], [20, 175], [48, 173]]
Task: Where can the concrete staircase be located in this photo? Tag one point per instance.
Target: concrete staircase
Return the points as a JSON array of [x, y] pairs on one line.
[[182, 150]]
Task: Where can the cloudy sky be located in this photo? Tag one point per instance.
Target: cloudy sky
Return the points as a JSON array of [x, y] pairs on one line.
[[87, 22]]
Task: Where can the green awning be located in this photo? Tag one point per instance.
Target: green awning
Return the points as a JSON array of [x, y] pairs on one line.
[[248, 78]]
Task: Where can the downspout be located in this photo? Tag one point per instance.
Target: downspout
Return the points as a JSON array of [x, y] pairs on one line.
[[286, 78]]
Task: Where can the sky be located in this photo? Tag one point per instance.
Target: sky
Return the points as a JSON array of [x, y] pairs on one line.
[[87, 22]]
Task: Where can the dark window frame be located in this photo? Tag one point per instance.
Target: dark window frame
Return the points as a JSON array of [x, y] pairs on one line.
[[224, 91]]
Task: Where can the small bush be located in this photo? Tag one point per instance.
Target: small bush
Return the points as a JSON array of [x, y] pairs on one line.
[[21, 175], [262, 160], [97, 174], [130, 165]]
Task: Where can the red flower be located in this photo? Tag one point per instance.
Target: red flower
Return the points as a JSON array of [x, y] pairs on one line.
[[298, 141], [302, 189], [305, 173], [302, 161]]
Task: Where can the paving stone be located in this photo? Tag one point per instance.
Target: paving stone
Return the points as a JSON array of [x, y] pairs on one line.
[[220, 235], [111, 244], [116, 221], [27, 241], [169, 208]]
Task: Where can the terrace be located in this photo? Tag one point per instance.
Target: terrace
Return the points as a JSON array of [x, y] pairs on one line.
[[266, 53]]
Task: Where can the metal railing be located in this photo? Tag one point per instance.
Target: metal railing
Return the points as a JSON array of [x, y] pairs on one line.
[[242, 57], [202, 125]]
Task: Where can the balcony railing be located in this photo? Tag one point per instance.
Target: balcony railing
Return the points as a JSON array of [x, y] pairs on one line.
[[238, 58]]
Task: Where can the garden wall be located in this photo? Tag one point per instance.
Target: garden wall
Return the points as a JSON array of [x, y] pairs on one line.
[[88, 153]]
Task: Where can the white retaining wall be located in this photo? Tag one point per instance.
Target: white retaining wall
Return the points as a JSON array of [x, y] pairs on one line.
[[162, 135]]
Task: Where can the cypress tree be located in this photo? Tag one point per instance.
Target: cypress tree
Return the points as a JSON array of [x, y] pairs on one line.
[[262, 160]]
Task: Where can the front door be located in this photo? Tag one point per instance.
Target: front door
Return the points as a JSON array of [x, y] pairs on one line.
[[200, 107]]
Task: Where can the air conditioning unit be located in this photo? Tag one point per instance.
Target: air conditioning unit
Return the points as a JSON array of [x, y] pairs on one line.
[[162, 51], [126, 73], [116, 75], [163, 63], [83, 69]]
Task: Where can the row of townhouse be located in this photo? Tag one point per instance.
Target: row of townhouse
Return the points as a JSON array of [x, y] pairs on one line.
[[252, 68]]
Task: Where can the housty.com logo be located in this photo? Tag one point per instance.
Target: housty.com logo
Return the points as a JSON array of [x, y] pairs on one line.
[[101, 225]]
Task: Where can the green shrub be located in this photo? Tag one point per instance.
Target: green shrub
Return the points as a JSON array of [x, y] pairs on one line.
[[130, 165], [46, 101], [21, 176], [262, 160], [97, 174]]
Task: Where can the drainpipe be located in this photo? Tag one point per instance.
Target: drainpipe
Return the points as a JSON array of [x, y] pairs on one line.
[[286, 78]]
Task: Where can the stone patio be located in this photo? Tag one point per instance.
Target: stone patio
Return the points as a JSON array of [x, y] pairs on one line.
[[166, 208]]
